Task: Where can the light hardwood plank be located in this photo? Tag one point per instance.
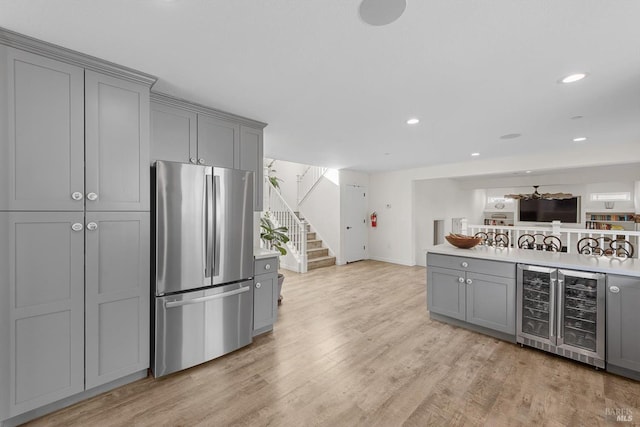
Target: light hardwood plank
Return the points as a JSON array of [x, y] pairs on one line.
[[354, 346]]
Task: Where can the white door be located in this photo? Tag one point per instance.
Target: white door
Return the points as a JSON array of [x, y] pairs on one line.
[[355, 223]]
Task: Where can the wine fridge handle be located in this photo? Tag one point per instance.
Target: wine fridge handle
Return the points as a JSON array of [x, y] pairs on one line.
[[552, 305], [560, 304]]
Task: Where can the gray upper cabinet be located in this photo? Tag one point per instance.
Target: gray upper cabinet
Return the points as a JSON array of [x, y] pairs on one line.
[[251, 156], [173, 134], [117, 144], [117, 295], [623, 318], [186, 132], [218, 142], [41, 309], [41, 133]]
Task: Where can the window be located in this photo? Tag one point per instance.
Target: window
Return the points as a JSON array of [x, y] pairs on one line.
[[610, 197], [494, 199]]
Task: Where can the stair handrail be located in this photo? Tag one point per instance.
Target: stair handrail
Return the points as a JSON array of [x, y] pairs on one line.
[[283, 216], [308, 181]]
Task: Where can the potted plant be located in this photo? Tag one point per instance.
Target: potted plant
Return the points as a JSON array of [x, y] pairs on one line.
[[274, 238]]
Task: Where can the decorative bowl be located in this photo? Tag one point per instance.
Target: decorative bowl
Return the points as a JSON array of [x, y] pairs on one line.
[[463, 242]]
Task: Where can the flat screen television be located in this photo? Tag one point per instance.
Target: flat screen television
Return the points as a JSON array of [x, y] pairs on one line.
[[544, 210]]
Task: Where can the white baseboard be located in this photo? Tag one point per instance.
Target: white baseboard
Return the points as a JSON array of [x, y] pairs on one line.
[[393, 261]]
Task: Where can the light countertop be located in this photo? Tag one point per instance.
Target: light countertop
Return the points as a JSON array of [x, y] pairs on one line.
[[260, 253], [599, 264]]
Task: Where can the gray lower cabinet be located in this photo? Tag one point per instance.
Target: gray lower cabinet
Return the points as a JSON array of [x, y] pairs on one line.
[[190, 133], [469, 294], [117, 295], [265, 295], [623, 319], [41, 309]]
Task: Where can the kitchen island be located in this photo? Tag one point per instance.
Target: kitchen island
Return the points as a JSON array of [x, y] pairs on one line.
[[485, 289]]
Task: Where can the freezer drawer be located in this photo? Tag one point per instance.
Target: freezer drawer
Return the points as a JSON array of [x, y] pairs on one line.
[[195, 327]]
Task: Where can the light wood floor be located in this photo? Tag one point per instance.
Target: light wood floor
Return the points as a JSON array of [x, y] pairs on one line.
[[354, 346]]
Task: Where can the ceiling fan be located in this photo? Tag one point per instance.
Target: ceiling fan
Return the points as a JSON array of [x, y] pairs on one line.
[[536, 195]]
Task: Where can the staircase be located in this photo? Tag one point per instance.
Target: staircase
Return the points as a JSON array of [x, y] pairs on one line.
[[317, 256]]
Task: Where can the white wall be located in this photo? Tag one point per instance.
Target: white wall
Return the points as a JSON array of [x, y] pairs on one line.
[[322, 209], [441, 199], [394, 239], [287, 172]]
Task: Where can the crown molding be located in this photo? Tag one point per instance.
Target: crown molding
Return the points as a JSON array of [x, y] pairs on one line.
[[172, 101], [49, 50]]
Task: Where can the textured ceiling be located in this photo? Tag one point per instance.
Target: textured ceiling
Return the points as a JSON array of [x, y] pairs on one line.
[[337, 92]]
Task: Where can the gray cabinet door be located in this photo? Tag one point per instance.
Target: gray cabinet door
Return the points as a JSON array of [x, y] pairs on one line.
[[251, 160], [265, 302], [116, 144], [41, 133], [41, 309], [218, 142], [173, 134], [445, 293], [491, 302], [623, 318], [117, 295]]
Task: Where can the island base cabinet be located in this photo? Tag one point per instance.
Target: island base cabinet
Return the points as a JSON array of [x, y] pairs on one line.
[[467, 293], [623, 319], [491, 302], [41, 309], [446, 295]]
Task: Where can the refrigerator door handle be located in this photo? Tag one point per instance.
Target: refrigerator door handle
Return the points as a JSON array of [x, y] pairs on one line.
[[560, 310], [172, 304], [209, 229], [216, 251], [552, 314]]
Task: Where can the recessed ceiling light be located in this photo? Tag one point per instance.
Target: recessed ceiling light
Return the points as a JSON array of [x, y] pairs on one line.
[[413, 121], [572, 78], [386, 154], [580, 139], [527, 171], [475, 154], [576, 117], [511, 136], [381, 12]]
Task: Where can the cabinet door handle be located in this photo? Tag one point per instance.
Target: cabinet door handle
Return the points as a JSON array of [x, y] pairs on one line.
[[77, 227], [614, 289], [92, 226], [267, 267], [461, 279], [201, 161], [465, 264], [76, 195], [258, 285], [92, 196], [192, 160], [469, 281]]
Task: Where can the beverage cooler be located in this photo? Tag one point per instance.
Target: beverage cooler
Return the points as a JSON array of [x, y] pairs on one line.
[[562, 312]]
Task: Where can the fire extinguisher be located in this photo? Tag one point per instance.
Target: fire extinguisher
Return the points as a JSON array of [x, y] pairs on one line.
[[374, 220]]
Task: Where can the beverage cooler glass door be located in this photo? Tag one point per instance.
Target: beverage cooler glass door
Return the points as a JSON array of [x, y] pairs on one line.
[[536, 298], [581, 308]]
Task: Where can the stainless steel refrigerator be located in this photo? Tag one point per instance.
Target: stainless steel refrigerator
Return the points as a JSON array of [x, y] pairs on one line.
[[563, 312], [203, 306]]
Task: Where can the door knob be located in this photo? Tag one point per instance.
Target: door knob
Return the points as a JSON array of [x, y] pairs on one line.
[[192, 160], [77, 226], [469, 281], [76, 195], [258, 285], [92, 226], [201, 161], [461, 279], [267, 267], [465, 264], [92, 196], [614, 289]]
